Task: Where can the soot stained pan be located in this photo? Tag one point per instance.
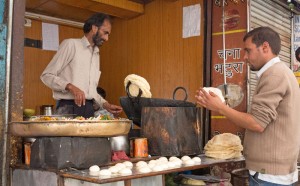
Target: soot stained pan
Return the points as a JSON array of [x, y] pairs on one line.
[[133, 105]]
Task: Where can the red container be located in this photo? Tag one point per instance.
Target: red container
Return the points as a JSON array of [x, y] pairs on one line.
[[138, 148]]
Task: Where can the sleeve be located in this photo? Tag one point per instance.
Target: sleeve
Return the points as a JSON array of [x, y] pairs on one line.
[[50, 76], [99, 100], [270, 91]]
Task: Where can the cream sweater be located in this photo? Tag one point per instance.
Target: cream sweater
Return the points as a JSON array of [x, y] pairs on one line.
[[276, 107]]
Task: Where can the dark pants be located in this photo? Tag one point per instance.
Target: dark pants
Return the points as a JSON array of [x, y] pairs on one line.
[[69, 107], [254, 181]]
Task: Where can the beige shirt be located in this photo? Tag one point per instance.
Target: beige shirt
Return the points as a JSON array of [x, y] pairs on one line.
[[275, 106], [78, 63]]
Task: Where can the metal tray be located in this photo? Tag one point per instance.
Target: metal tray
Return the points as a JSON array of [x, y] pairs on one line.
[[102, 128]]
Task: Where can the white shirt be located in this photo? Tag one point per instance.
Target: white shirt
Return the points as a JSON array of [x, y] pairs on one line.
[[78, 63]]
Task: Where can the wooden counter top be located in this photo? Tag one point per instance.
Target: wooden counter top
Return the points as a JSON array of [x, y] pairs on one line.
[[84, 174]]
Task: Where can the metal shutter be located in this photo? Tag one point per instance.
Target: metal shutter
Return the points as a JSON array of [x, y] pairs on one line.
[[271, 14]]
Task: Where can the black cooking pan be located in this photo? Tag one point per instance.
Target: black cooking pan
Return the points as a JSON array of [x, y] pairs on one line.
[[132, 106]]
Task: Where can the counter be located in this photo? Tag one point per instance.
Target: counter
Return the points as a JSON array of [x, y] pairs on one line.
[[70, 177]]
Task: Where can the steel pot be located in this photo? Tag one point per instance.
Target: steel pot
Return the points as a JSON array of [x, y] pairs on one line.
[[119, 143]]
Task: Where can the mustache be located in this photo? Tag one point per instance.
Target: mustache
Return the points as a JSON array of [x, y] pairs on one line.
[[98, 40]]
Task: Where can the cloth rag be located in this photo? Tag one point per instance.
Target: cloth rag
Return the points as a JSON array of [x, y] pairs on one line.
[[138, 82], [119, 155]]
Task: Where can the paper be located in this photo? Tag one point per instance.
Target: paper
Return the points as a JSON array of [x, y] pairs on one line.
[[50, 36], [191, 21]]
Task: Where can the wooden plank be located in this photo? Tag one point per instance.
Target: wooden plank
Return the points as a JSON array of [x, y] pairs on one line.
[[34, 3], [206, 162], [118, 8]]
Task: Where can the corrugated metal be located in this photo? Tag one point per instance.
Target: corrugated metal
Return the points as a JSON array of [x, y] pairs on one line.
[[269, 13]]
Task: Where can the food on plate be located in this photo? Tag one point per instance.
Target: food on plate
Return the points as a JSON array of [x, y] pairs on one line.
[[78, 118], [224, 146]]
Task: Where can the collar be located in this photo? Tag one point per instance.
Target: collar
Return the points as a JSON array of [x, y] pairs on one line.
[[87, 44], [267, 65]]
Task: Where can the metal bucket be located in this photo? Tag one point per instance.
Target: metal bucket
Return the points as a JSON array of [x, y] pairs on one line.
[[120, 143], [240, 177]]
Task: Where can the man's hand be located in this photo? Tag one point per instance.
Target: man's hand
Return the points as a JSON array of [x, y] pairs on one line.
[[209, 100], [114, 109], [79, 96]]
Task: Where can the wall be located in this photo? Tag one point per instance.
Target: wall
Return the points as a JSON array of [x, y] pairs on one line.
[[150, 45], [35, 61]]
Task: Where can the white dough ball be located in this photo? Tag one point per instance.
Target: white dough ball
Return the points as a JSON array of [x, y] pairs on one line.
[[196, 159], [128, 164], [141, 164], [144, 170], [163, 159], [125, 171], [173, 158], [114, 169], [94, 168], [151, 165], [171, 165], [105, 172], [177, 163], [164, 166], [120, 165], [152, 162], [189, 162], [157, 168], [94, 173], [184, 158]]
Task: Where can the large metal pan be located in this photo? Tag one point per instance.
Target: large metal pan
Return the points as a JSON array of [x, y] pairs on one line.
[[103, 128], [133, 105]]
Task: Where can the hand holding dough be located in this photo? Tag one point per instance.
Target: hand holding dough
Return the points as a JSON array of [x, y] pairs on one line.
[[216, 91]]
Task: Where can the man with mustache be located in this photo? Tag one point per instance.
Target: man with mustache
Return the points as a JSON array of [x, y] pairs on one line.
[[73, 73]]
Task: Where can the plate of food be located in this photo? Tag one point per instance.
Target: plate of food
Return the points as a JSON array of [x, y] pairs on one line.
[[56, 125]]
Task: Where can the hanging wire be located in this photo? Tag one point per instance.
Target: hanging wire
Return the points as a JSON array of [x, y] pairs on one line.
[[224, 53]]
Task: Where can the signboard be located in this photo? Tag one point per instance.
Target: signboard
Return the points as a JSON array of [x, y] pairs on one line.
[[234, 70]]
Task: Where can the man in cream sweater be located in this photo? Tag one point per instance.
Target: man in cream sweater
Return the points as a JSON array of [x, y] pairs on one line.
[[271, 143]]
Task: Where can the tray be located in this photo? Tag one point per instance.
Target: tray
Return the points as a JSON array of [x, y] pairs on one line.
[[103, 128]]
